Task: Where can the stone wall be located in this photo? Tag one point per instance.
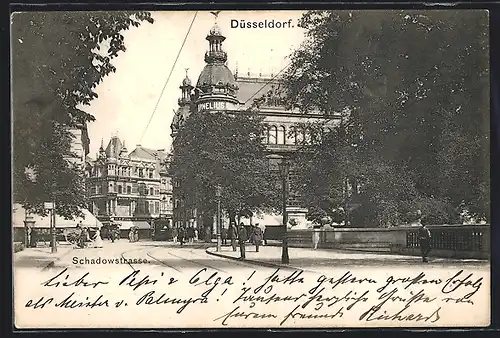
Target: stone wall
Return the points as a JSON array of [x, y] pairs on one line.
[[451, 241]]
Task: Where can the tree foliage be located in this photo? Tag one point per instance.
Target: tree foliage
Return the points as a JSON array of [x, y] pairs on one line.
[[222, 149], [58, 59], [414, 89]]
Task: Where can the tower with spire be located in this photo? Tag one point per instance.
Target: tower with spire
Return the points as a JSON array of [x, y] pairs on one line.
[[216, 84], [186, 89], [102, 153], [185, 104]]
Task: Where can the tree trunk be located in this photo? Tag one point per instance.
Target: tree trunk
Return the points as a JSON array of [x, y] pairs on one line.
[[207, 226], [232, 216]]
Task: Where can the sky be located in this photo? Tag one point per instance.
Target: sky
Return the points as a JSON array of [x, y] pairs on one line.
[[128, 97]]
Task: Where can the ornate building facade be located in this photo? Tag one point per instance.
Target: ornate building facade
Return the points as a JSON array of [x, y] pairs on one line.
[[218, 89], [131, 189]]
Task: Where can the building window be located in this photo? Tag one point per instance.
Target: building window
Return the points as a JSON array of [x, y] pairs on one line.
[[141, 172], [151, 191], [120, 189], [150, 173], [281, 135], [299, 136], [157, 207], [129, 189], [307, 135], [273, 135]]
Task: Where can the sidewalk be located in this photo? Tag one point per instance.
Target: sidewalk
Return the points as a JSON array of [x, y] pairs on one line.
[[41, 257], [305, 258]]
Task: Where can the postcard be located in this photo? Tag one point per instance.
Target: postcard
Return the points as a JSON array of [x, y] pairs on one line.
[[250, 169]]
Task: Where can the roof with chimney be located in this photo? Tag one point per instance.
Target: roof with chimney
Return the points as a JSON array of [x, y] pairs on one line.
[[141, 152]]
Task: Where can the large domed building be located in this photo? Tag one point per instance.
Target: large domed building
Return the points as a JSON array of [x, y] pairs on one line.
[[217, 89]]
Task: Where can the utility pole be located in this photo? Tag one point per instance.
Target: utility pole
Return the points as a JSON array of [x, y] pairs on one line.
[[51, 206], [53, 229], [284, 169], [218, 194]]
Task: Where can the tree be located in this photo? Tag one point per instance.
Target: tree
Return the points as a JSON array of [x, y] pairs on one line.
[[223, 149], [58, 59], [415, 85]]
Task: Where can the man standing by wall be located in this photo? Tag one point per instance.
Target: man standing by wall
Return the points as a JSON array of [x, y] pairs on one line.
[[424, 235], [233, 234], [257, 236], [242, 238]]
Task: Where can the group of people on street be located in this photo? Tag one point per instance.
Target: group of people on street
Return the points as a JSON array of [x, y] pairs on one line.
[[83, 237], [133, 235], [241, 235], [183, 235], [113, 233]]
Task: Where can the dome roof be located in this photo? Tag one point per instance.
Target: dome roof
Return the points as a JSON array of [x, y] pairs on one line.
[[186, 82], [215, 30], [216, 75]]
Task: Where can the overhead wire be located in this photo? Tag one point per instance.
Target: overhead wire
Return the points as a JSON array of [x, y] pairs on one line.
[[169, 76]]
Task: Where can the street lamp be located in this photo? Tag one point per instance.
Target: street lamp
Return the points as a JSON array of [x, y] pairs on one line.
[[218, 194], [284, 166], [29, 223]]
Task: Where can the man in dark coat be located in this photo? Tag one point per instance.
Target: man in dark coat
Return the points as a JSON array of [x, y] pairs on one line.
[[233, 235], [257, 236], [182, 234], [223, 235], [424, 236], [242, 238]]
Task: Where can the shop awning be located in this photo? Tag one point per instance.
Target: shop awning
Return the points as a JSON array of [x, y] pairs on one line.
[[19, 215], [125, 225]]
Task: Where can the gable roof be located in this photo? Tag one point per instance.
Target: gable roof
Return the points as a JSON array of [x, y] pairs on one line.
[[148, 154]]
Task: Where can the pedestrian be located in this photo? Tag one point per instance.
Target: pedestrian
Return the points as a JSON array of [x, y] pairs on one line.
[[233, 235], [174, 234], [424, 235], [257, 236], [97, 239], [33, 238], [181, 234], [136, 234], [242, 238], [196, 234], [131, 235], [223, 236], [190, 234], [83, 238], [315, 235]]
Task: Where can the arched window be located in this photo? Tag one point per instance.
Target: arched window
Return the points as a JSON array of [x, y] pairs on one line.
[[307, 135], [299, 135], [273, 135], [281, 135]]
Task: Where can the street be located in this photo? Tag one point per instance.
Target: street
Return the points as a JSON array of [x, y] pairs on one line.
[[175, 286]]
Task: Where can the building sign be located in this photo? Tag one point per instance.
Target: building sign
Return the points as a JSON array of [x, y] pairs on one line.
[[212, 105], [48, 205]]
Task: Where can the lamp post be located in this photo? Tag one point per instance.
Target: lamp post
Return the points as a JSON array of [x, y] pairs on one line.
[[51, 206], [29, 223], [218, 194], [284, 169]]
